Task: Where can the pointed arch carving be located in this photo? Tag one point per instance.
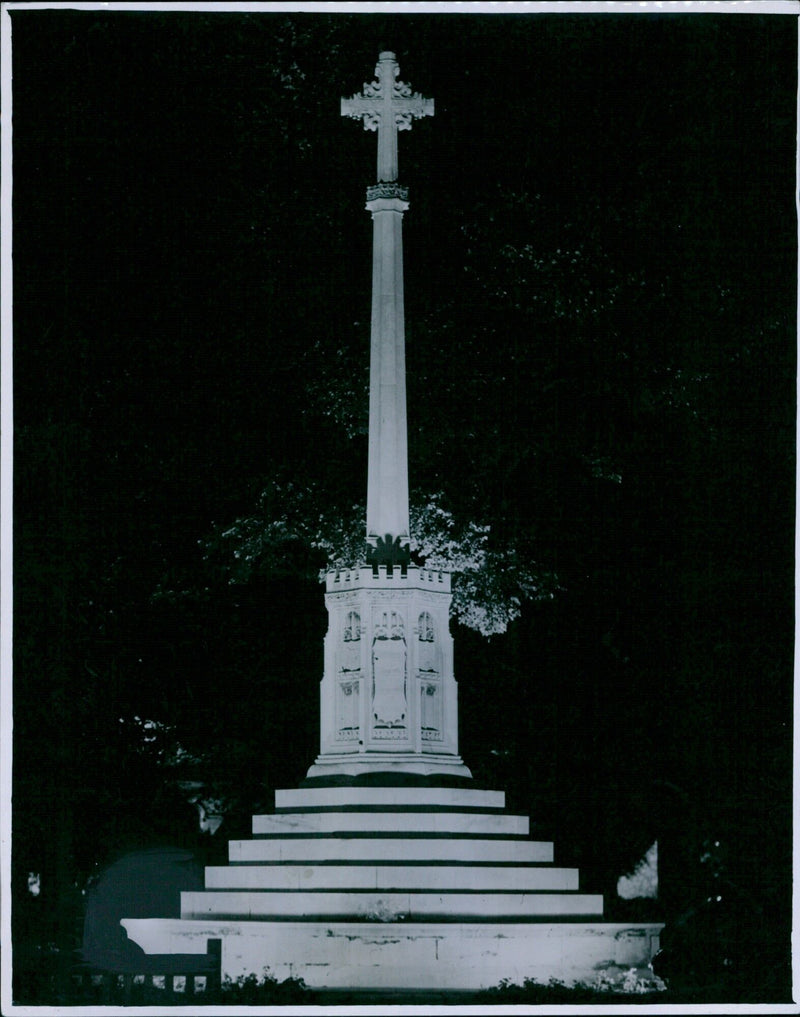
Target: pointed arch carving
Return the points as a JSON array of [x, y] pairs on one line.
[[351, 642]]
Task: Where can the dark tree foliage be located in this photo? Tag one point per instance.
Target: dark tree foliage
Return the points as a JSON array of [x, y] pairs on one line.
[[600, 266]]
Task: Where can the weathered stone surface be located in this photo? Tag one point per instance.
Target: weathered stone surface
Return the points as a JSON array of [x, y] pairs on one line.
[[383, 905], [401, 955]]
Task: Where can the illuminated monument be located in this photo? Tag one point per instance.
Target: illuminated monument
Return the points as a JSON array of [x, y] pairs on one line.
[[389, 870]]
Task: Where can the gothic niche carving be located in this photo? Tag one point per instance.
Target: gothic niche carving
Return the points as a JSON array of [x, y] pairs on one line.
[[430, 688], [426, 647], [347, 710], [351, 642], [431, 711], [347, 685], [389, 703]]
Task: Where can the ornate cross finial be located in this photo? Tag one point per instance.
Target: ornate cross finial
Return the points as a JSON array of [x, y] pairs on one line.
[[387, 106]]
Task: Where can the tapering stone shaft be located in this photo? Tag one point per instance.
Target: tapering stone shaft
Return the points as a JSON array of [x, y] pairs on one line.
[[387, 106], [387, 475]]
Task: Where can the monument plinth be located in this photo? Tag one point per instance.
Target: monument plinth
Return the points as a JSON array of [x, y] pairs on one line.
[[389, 701], [384, 872]]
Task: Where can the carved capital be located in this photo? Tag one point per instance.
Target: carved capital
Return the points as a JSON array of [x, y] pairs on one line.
[[387, 190]]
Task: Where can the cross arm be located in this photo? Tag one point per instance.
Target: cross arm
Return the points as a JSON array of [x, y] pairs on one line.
[[370, 109], [360, 107], [387, 106]]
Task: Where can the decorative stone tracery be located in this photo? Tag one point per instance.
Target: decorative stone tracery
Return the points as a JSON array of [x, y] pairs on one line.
[[387, 106], [389, 675], [351, 642], [387, 190], [347, 711]]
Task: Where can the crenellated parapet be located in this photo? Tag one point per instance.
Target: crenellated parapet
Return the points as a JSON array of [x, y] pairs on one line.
[[364, 577]]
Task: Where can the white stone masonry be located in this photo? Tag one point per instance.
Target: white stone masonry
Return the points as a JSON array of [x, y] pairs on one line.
[[397, 888]]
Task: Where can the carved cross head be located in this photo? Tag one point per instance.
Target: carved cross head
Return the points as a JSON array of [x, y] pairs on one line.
[[387, 106]]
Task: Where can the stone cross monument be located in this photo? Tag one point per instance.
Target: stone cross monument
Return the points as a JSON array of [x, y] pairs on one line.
[[388, 695], [382, 872]]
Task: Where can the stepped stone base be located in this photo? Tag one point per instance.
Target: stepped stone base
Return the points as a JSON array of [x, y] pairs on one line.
[[394, 906], [415, 955], [353, 796], [408, 887], [504, 878], [392, 822], [441, 849]]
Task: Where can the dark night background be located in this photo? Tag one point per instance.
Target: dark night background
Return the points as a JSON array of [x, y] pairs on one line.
[[600, 306]]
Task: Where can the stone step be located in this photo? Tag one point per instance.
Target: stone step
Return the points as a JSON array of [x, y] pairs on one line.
[[388, 849], [377, 797], [392, 822], [380, 906], [390, 877]]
